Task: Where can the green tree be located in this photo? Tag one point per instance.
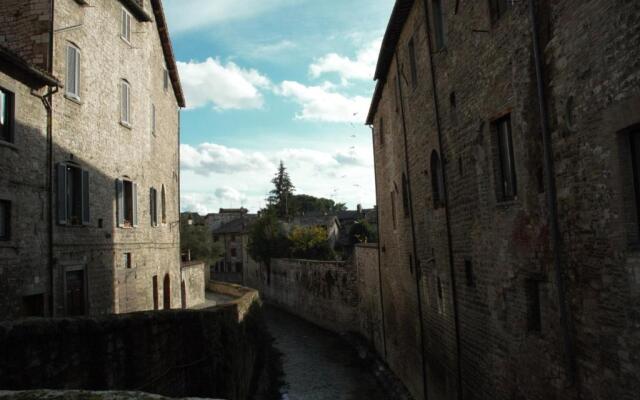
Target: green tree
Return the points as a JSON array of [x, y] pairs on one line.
[[280, 197], [267, 238], [362, 232], [304, 204], [311, 243], [198, 240]]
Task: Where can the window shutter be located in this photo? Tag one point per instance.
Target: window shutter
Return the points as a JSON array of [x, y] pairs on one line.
[[134, 197], [86, 216], [61, 198], [119, 203], [77, 70]]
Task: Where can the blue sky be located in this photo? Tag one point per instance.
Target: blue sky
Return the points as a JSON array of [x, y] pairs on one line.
[[270, 80]]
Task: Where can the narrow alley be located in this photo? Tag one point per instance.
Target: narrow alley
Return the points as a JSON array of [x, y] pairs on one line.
[[319, 365]]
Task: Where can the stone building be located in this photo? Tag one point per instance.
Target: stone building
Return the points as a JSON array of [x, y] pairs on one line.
[[235, 262], [102, 232], [506, 151]]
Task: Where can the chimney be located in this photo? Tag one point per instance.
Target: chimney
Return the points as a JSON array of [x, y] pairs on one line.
[[359, 208]]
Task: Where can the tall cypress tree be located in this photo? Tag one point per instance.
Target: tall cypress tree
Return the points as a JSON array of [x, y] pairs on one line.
[[280, 197]]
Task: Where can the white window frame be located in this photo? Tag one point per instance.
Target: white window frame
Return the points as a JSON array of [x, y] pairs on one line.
[[73, 91], [125, 102], [125, 26]]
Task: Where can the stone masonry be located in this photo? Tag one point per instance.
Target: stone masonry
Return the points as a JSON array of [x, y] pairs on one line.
[[108, 267], [472, 303]]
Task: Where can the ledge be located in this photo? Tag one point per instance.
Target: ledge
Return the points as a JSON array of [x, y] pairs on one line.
[[244, 297], [9, 145]]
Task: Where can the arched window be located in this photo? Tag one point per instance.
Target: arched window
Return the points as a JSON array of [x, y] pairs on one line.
[[125, 102], [72, 87], [163, 200], [437, 180]]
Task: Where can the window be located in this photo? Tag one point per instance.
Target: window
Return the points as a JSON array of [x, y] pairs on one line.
[[405, 195], [239, 267], [216, 238], [507, 170], [125, 102], [6, 115], [498, 8], [126, 203], [534, 314], [72, 195], [233, 238], [234, 253], [468, 271], [33, 305], [163, 203], [413, 64], [153, 119], [165, 75], [5, 220], [437, 180], [381, 132], [128, 260], [634, 138], [438, 24], [125, 31], [153, 206], [73, 72]]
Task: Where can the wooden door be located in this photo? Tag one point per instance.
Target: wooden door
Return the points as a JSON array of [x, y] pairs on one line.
[[166, 289], [75, 293], [155, 292]]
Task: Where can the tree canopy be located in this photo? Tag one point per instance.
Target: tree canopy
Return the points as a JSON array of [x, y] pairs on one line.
[[304, 204], [198, 240], [280, 197]]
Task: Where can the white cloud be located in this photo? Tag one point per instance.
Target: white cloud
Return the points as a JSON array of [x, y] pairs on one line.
[[186, 15], [208, 158], [321, 103], [362, 67], [224, 86], [244, 178]]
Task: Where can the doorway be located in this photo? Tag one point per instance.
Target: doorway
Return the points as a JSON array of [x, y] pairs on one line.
[[75, 293], [166, 289], [155, 292]]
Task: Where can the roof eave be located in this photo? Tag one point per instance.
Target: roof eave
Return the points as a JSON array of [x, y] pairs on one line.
[[39, 76], [140, 13], [167, 48], [398, 18]]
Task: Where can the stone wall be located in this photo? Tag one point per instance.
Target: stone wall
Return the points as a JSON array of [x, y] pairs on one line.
[[324, 293], [24, 276], [205, 353], [193, 283], [470, 294], [25, 27], [370, 312]]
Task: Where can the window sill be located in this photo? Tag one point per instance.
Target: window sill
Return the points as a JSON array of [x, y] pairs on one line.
[[504, 204], [73, 98], [9, 145], [126, 125]]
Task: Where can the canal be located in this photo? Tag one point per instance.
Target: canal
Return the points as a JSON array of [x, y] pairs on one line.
[[318, 364]]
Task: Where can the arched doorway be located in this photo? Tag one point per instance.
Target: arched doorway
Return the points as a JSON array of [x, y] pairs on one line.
[[166, 289]]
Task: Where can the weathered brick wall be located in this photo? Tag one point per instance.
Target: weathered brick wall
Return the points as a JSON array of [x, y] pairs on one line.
[[370, 313], [206, 353], [23, 259], [89, 132], [25, 27], [486, 70], [193, 281], [325, 293]]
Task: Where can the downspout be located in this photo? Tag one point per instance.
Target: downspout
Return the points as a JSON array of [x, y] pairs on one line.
[[418, 268], [552, 200], [384, 328], [52, 308], [454, 291]]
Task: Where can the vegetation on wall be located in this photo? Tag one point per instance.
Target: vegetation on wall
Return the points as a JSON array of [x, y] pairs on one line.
[[362, 232], [198, 240], [311, 243]]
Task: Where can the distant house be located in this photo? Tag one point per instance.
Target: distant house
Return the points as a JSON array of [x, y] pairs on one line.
[[234, 236]]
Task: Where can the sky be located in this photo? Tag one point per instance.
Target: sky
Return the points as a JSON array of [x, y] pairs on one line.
[[275, 80]]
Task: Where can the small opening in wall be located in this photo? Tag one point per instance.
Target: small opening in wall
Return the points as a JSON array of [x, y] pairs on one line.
[[128, 260], [534, 313], [470, 276], [411, 263], [452, 100], [100, 223], [460, 166]]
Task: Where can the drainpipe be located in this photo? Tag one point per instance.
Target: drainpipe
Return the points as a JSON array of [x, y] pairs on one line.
[[416, 261], [552, 200], [454, 292], [52, 307], [384, 328]]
